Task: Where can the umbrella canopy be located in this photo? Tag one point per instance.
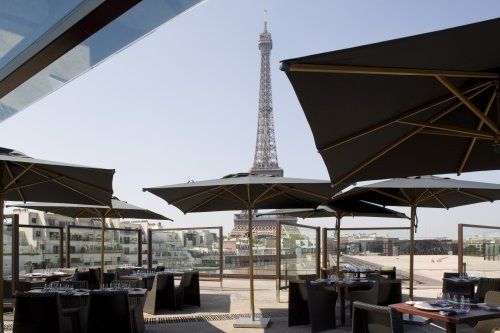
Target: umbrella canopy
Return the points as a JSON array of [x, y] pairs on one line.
[[118, 209], [426, 191], [27, 179], [23, 178], [339, 209], [246, 192], [425, 104]]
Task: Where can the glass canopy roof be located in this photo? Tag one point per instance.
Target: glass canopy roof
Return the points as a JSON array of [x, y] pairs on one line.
[[27, 24]]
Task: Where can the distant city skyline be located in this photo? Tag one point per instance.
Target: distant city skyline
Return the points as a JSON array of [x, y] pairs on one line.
[[181, 104]]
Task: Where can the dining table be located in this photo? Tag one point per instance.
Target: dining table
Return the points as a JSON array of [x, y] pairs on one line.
[[43, 275], [450, 321]]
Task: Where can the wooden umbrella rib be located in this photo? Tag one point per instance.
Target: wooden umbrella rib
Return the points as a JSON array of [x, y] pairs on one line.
[[395, 197], [313, 194], [479, 126], [460, 130], [268, 189], [48, 180], [11, 174], [483, 86], [421, 195], [202, 203], [431, 195], [471, 106], [69, 187], [480, 197], [81, 182], [453, 134], [395, 144], [284, 193], [234, 195], [436, 197], [342, 69], [407, 197], [271, 195], [192, 195], [16, 178]]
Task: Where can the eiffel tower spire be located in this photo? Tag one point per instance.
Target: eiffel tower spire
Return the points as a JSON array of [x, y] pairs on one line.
[[266, 157]]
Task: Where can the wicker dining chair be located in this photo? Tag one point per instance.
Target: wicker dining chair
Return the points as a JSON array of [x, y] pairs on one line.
[[485, 285], [39, 313], [368, 318], [109, 311], [161, 295], [321, 302], [188, 291]]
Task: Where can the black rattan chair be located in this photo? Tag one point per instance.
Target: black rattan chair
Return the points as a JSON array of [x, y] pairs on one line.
[[485, 285], [77, 284], [298, 304], [321, 302], [161, 295], [383, 292], [119, 272], [188, 291], [388, 272], [457, 289], [39, 313], [109, 311], [368, 318], [94, 278]]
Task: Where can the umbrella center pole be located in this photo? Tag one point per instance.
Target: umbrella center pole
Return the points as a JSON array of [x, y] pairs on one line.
[[101, 273], [250, 261], [412, 248], [1, 258], [337, 226]]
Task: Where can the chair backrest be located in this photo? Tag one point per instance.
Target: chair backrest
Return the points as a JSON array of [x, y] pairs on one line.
[[7, 288], [389, 292], [82, 276], [160, 268], [485, 285], [77, 284], [37, 313], [160, 294], [186, 279], [487, 326], [119, 272], [369, 318], [307, 277], [130, 283], [298, 307], [322, 300], [388, 271], [455, 288], [94, 278], [109, 311], [52, 278]]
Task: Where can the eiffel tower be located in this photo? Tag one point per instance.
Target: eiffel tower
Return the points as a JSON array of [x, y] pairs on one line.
[[266, 157]]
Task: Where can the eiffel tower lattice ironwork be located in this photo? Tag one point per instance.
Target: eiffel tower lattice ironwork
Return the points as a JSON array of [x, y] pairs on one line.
[[266, 157]]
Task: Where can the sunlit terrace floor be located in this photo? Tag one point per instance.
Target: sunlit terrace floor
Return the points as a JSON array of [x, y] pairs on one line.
[[221, 307]]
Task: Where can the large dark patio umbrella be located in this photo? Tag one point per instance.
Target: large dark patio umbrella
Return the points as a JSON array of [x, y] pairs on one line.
[[339, 209], [23, 178], [421, 105], [119, 209], [428, 191], [246, 192]]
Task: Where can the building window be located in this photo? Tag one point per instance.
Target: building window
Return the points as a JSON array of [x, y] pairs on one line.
[[52, 222], [33, 220]]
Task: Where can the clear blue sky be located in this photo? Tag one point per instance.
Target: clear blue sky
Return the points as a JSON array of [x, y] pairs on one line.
[[181, 104]]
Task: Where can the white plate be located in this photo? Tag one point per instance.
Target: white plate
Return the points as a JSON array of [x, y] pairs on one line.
[[411, 302], [427, 307]]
